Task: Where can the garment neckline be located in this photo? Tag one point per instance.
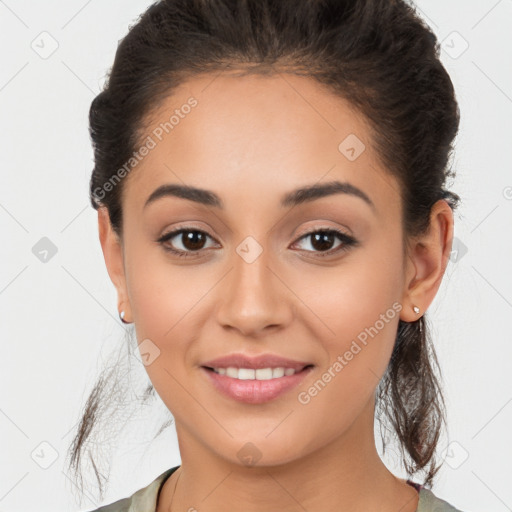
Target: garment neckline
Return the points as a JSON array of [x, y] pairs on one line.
[[417, 486], [166, 475]]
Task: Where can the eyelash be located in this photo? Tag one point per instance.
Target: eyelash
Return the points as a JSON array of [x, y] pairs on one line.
[[347, 241]]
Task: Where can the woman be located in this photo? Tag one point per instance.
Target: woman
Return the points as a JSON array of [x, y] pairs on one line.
[[270, 185]]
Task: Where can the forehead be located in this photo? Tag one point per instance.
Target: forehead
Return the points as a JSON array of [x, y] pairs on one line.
[[256, 135], [278, 110]]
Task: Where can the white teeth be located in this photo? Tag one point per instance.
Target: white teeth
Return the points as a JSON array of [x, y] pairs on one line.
[[263, 373], [251, 374], [232, 372], [246, 373], [277, 372]]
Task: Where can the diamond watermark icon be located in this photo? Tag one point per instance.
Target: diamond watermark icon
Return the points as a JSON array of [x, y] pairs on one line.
[[351, 147], [44, 250], [249, 454], [45, 45], [249, 249], [459, 250], [146, 352], [455, 455], [454, 45], [44, 455]]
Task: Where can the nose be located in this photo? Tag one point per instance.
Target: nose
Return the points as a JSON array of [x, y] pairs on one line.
[[254, 298]]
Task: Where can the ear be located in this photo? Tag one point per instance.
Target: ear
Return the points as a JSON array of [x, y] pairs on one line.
[[113, 253], [428, 257]]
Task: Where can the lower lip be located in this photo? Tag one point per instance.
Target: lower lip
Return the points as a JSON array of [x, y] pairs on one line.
[[255, 391]]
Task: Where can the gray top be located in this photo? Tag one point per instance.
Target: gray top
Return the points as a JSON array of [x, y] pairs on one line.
[[145, 499]]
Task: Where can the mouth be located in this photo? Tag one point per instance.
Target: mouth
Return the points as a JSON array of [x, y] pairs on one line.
[[255, 385]]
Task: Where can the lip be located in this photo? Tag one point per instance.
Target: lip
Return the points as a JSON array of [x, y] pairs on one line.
[[239, 360], [255, 391]]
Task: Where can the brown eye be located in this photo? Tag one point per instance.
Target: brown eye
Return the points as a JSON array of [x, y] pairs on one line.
[[323, 240], [193, 240], [184, 241]]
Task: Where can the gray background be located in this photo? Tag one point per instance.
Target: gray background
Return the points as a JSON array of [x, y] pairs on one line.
[[58, 310]]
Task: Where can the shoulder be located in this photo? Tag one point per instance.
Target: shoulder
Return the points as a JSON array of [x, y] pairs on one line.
[[429, 502], [144, 499]]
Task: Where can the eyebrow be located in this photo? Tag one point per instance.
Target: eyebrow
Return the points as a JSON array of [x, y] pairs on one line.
[[294, 198]]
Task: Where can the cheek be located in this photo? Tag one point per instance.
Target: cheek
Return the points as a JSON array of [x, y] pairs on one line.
[[357, 333], [351, 298], [357, 308], [163, 294], [165, 303]]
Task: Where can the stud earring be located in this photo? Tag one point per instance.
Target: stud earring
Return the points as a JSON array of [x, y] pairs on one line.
[[416, 309], [121, 316]]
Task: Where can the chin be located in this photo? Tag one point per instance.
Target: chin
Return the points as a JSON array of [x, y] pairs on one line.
[[258, 451]]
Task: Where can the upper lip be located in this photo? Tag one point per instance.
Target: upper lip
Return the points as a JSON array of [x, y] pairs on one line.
[[240, 360]]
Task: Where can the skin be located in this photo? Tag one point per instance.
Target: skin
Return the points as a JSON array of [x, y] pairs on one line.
[[250, 140]]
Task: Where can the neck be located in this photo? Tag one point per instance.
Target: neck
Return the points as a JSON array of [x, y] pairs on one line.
[[345, 474]]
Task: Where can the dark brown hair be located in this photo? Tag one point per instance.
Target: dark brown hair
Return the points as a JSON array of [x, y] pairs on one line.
[[377, 54]]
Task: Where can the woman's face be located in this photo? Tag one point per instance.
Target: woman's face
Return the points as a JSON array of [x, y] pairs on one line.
[[257, 278]]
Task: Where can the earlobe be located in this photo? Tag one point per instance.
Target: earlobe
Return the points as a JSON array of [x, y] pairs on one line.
[[428, 257], [112, 249]]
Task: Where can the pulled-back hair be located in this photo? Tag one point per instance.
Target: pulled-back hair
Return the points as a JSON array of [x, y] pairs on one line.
[[377, 54]]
